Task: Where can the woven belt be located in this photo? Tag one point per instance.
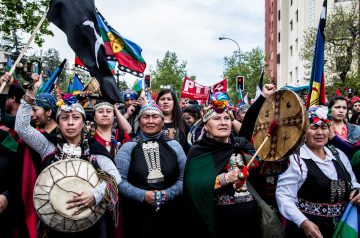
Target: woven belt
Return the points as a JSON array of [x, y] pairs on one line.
[[321, 209], [225, 199]]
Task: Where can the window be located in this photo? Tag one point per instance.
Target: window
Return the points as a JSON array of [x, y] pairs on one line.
[[291, 2], [278, 58], [297, 15], [290, 76], [279, 15], [291, 25], [291, 50], [278, 36], [296, 44]]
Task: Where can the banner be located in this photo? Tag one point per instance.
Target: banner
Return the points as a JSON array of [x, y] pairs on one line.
[[220, 86], [193, 90]]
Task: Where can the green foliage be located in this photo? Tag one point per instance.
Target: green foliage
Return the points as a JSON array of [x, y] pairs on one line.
[[342, 48], [247, 64], [122, 85], [23, 16], [51, 60], [168, 72]]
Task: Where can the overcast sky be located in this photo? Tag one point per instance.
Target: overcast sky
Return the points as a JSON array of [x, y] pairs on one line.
[[190, 28]]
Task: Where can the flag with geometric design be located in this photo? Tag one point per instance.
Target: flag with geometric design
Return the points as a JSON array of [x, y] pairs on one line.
[[122, 50]]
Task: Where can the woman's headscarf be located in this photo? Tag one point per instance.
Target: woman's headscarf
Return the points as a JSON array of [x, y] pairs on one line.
[[69, 103]]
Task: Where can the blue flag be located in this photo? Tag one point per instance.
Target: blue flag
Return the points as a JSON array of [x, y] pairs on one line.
[[317, 81], [48, 87]]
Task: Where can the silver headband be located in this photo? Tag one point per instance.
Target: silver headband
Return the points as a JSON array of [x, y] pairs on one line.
[[103, 105]]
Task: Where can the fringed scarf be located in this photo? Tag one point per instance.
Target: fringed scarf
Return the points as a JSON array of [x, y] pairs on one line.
[[90, 147], [206, 160]]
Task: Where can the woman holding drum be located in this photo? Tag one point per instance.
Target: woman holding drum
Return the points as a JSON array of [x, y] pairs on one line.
[[313, 191], [68, 195]]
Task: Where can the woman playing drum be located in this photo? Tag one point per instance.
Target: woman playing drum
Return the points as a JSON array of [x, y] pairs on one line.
[[72, 143]]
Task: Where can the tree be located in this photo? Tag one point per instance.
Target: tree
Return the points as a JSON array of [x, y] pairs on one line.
[[13, 43], [168, 72], [342, 46], [122, 85], [248, 64], [18, 16], [50, 60]]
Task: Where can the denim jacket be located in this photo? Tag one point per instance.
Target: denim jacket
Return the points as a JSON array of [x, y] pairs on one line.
[[353, 133]]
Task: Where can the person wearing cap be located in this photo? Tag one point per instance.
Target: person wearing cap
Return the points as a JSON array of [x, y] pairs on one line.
[[71, 142], [356, 106], [241, 112], [338, 112], [215, 182], [351, 99], [312, 193], [44, 112], [132, 106], [152, 168]]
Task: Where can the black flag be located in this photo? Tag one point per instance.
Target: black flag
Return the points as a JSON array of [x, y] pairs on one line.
[[78, 20]]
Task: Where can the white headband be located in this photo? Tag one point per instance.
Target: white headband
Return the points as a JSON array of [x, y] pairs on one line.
[[67, 108], [103, 105]]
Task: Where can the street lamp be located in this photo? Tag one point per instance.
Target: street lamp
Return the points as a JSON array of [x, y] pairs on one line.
[[226, 38]]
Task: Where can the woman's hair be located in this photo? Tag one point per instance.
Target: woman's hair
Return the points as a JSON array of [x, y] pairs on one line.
[[335, 99], [193, 111], [355, 118], [177, 119]]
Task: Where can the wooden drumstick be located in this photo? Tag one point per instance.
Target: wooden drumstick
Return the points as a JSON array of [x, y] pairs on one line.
[[273, 126], [24, 50]]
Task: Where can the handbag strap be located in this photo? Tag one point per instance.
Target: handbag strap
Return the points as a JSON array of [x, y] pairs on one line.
[[253, 192], [335, 152]]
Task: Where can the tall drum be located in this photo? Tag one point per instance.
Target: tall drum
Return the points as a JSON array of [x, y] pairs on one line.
[[287, 108], [57, 184]]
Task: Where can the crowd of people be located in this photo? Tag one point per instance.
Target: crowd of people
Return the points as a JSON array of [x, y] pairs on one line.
[[168, 168]]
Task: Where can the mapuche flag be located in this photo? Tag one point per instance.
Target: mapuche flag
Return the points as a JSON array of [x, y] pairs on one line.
[[122, 50], [78, 20], [317, 82]]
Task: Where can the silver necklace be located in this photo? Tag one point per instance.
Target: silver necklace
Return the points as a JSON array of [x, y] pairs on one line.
[[152, 158]]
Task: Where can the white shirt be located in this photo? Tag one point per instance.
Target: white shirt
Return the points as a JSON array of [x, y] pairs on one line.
[[292, 179]]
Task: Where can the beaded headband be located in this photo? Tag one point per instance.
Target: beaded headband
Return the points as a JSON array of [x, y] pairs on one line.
[[150, 109], [103, 105]]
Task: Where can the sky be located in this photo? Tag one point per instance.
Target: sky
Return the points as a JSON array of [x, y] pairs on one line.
[[190, 28]]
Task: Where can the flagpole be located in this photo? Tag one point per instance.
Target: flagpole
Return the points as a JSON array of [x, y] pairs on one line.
[[25, 48]]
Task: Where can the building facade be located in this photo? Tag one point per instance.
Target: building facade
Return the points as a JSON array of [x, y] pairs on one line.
[[285, 24]]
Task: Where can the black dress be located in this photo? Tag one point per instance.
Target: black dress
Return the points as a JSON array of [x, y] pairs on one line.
[[319, 189], [9, 221], [140, 219]]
